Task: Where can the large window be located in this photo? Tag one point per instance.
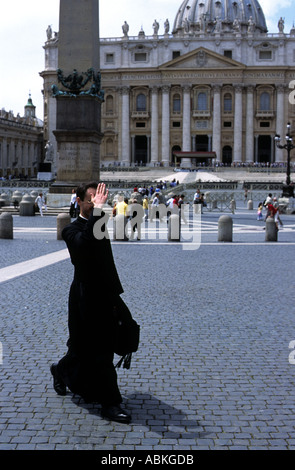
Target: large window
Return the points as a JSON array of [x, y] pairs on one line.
[[228, 103], [176, 103], [265, 101], [140, 56], [202, 102], [109, 104], [141, 102]]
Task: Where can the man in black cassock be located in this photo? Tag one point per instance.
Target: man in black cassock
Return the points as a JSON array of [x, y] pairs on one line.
[[87, 369]]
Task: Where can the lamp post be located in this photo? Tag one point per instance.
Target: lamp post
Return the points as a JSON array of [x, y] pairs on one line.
[[288, 190]]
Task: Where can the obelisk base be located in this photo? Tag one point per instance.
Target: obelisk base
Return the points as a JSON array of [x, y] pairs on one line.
[[78, 156], [78, 138]]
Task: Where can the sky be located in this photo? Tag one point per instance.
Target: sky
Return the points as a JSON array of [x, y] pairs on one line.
[[23, 27]]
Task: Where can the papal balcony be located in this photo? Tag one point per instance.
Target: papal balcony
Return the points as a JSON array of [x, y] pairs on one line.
[[140, 115], [201, 113], [265, 114]]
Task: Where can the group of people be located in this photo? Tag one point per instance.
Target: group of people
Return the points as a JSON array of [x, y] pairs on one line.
[[148, 209], [271, 205]]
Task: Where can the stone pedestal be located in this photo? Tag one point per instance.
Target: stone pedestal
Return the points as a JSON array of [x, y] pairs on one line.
[[78, 138]]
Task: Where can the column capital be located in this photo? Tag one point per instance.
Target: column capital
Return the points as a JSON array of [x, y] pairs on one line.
[[166, 88], [124, 90], [238, 87], [155, 89], [216, 87], [250, 87], [186, 87], [281, 87]]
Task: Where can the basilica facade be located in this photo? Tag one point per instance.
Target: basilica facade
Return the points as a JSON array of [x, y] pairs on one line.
[[214, 84]]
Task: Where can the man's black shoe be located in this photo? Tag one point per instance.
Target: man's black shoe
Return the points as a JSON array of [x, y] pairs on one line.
[[58, 384], [115, 413]]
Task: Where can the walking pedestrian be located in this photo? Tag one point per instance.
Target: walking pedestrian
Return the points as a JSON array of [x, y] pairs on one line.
[[40, 201], [135, 218], [73, 204], [259, 211], [87, 369], [277, 215], [155, 207], [145, 206]]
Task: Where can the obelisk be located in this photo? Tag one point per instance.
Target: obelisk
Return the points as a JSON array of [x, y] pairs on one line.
[[78, 92]]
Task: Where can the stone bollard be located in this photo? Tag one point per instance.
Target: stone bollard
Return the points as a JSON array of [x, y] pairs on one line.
[[119, 226], [4, 200], [26, 206], [174, 230], [6, 226], [271, 231], [225, 229], [250, 205], [34, 194], [62, 220], [17, 196]]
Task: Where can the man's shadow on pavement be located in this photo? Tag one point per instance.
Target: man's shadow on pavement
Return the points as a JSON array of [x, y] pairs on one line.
[[160, 417]]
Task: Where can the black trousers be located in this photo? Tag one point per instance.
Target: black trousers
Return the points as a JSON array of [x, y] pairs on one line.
[[93, 377]]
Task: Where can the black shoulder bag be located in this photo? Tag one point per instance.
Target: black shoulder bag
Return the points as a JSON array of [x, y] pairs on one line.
[[126, 334]]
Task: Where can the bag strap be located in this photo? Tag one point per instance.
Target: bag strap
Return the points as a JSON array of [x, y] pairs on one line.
[[126, 360]]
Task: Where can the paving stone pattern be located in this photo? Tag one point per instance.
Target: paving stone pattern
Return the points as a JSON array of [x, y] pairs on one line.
[[212, 371]]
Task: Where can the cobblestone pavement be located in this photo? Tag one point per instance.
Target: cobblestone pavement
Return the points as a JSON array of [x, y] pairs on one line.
[[214, 369]]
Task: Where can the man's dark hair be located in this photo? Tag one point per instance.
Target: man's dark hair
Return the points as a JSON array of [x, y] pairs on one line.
[[81, 190]]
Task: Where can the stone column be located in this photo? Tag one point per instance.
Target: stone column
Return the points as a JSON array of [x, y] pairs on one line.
[[4, 154], [26, 154], [216, 141], [154, 127], [256, 148], [280, 125], [238, 124], [186, 125], [125, 126], [132, 159], [165, 126], [250, 124]]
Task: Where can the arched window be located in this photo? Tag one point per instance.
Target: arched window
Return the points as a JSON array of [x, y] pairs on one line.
[[141, 102], [176, 103], [109, 104], [265, 101], [202, 102], [228, 103]]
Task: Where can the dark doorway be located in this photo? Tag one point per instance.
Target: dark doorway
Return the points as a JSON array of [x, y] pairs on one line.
[[202, 143], [264, 149], [227, 155], [176, 160], [141, 150]]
